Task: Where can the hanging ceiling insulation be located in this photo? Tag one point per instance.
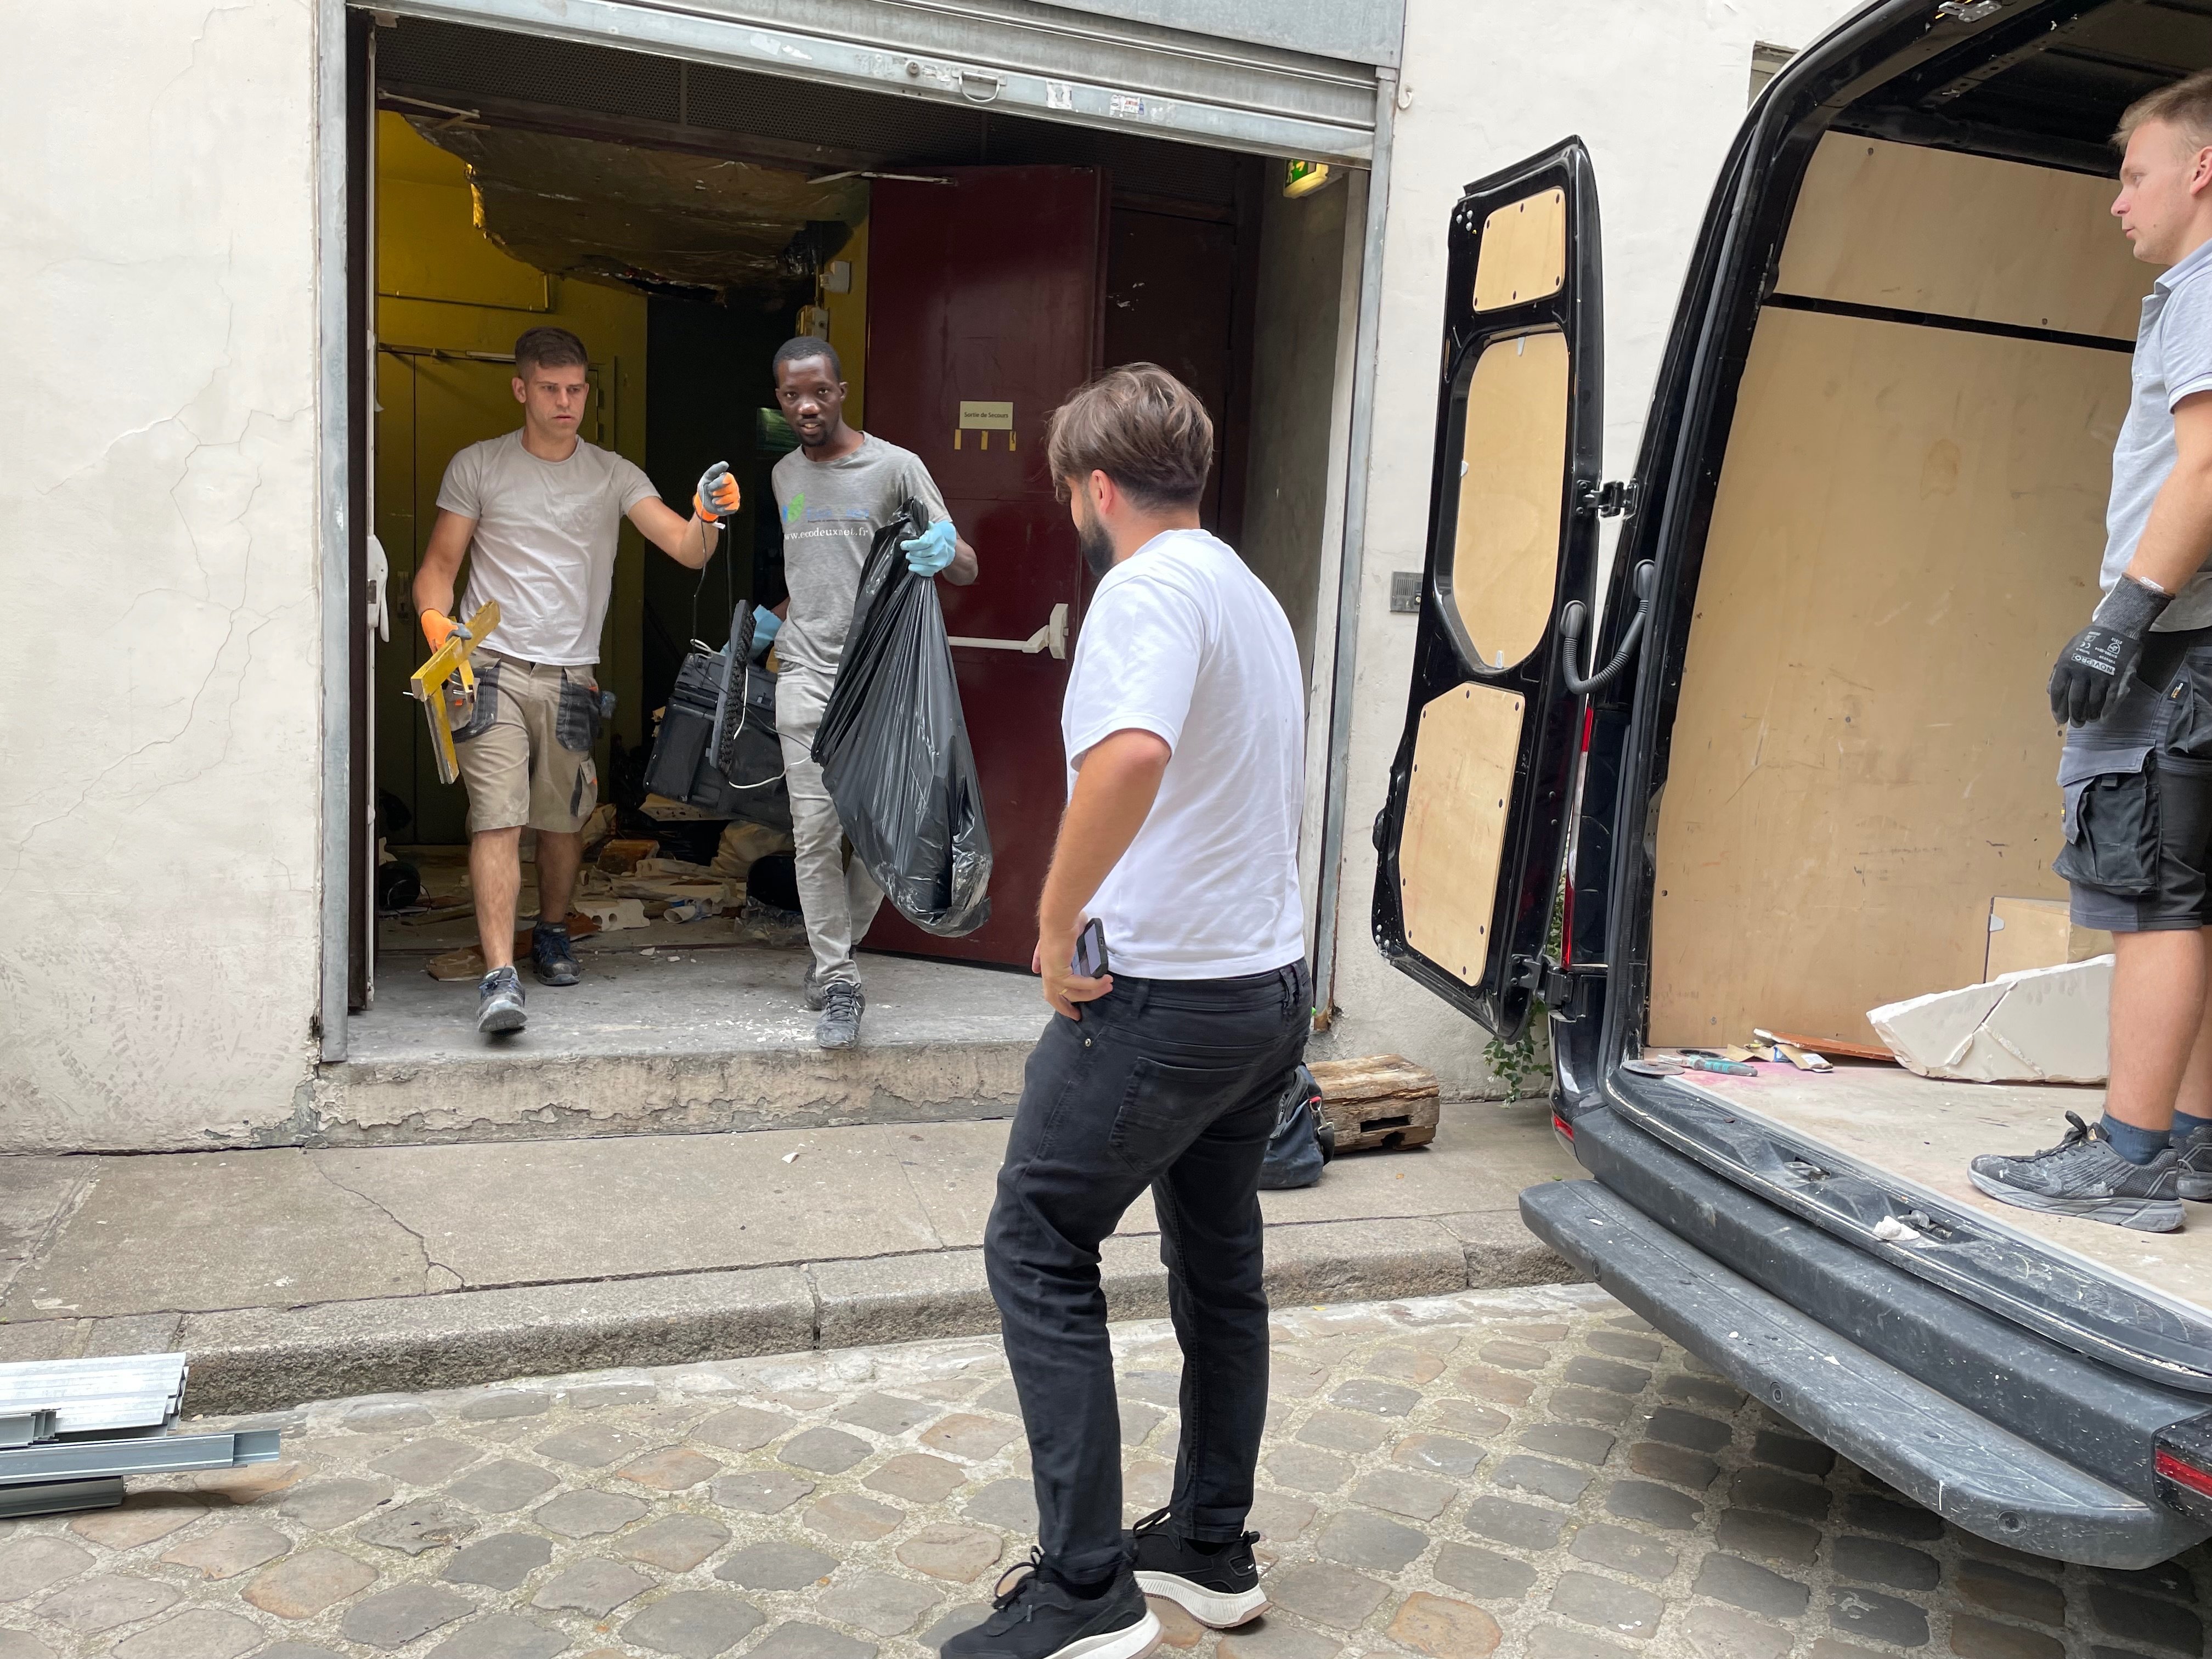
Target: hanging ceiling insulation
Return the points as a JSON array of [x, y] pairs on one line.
[[659, 221]]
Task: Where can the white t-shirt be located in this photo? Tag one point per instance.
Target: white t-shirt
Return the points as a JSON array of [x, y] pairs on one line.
[[545, 544], [1184, 641]]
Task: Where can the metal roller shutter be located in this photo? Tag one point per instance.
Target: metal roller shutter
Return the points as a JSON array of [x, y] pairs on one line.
[[1127, 72]]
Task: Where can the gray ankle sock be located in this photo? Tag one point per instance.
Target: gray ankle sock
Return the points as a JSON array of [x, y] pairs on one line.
[[2185, 1126], [2136, 1146]]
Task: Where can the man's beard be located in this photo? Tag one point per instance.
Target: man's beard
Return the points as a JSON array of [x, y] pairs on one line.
[[1097, 546]]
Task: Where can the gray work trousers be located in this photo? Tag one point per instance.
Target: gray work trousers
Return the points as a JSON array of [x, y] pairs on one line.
[[839, 901]]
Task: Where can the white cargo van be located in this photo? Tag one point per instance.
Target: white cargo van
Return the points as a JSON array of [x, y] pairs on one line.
[[1868, 512]]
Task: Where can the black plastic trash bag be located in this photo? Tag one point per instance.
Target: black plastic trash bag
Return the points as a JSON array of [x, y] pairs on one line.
[[893, 748], [1303, 1139]]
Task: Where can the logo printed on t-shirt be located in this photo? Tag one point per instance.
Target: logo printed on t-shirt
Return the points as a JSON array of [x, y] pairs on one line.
[[795, 508]]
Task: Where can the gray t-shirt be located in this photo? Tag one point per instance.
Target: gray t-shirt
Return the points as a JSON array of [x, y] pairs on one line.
[[831, 510], [544, 543], [2172, 361]]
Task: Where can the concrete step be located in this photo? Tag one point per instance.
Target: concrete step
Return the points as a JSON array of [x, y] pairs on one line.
[[290, 1275], [696, 1037]]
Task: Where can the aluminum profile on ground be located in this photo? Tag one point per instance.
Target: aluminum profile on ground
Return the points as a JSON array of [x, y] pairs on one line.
[[70, 1429]]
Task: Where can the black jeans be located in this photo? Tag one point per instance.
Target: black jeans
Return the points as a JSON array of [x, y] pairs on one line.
[[1170, 1085]]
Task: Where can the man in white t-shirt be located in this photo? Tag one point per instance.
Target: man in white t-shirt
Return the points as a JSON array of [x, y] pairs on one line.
[[1184, 724], [537, 513]]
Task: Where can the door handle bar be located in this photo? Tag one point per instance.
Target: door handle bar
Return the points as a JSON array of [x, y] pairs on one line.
[[1571, 621], [1051, 637]]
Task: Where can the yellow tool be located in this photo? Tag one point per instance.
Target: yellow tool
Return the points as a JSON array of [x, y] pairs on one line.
[[446, 686]]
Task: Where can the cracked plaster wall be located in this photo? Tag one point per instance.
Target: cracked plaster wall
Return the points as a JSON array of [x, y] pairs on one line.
[[159, 664], [1656, 92]]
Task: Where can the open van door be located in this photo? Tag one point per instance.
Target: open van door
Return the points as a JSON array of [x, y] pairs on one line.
[[1472, 835]]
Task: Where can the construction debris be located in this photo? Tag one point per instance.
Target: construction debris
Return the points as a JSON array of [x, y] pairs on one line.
[[2038, 1025], [468, 962], [743, 845], [1381, 1101], [620, 858]]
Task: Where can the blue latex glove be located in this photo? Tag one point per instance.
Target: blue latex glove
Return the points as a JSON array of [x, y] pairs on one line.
[[765, 624], [931, 551]]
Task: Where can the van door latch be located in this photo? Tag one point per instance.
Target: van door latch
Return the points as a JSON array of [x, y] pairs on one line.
[[1616, 500]]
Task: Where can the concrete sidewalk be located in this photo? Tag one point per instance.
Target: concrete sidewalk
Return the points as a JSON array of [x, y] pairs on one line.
[[292, 1274]]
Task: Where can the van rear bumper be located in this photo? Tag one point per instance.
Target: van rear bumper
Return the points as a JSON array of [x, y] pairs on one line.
[[1950, 1459]]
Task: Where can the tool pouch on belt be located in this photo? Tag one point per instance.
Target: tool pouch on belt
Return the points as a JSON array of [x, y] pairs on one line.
[[484, 712]]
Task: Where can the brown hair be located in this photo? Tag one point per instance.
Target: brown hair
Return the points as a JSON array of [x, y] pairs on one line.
[[1143, 428], [2187, 103], [548, 348]]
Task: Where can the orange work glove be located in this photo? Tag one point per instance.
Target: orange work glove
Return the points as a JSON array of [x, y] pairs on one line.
[[438, 627], [717, 496]]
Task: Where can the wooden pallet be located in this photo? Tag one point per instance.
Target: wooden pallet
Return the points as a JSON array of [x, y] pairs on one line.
[[1382, 1101]]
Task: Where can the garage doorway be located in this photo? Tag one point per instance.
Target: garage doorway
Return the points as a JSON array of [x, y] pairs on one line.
[[684, 219]]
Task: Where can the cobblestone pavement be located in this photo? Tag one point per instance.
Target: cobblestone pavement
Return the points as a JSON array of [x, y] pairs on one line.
[[1533, 1472]]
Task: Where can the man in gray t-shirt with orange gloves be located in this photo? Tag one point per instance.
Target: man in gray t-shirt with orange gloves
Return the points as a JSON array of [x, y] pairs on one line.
[[2134, 688], [833, 493], [537, 512]]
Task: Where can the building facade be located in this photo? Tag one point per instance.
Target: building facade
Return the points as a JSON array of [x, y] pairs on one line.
[[176, 830]]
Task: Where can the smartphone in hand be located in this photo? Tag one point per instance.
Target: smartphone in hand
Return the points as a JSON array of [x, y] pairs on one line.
[[1091, 950]]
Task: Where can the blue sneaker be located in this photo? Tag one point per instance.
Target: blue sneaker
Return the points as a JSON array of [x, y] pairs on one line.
[[499, 1002], [552, 955]]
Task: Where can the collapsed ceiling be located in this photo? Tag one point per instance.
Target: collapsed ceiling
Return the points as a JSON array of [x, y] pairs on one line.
[[663, 221]]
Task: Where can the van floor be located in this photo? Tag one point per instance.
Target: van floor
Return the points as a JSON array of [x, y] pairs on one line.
[[1924, 1131]]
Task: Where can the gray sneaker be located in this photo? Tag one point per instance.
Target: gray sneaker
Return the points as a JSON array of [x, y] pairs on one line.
[[840, 1025], [818, 992], [2083, 1176], [2194, 1154], [499, 1002]]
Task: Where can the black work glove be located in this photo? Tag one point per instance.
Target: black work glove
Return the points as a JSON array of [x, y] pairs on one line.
[[2093, 668]]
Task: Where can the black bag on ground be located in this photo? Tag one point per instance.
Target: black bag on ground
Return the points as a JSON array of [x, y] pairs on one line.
[[1303, 1139], [893, 748], [717, 748]]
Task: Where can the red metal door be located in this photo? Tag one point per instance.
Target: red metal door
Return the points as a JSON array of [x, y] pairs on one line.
[[983, 292]]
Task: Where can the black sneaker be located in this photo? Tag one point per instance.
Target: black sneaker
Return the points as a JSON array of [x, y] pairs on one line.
[[499, 1002], [1032, 1617], [842, 1006], [2194, 1156], [2083, 1176], [1220, 1589], [552, 955]]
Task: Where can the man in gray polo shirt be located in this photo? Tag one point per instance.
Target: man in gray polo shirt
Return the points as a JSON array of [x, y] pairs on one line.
[[2134, 688]]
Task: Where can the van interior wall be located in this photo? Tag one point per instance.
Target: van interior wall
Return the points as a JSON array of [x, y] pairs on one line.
[[1300, 275], [443, 289], [1908, 526]]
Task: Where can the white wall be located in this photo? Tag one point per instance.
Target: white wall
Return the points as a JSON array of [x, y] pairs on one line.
[[159, 668], [1656, 91]]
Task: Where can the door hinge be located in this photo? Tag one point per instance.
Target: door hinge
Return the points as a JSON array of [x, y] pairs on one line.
[[1616, 500], [1565, 990]]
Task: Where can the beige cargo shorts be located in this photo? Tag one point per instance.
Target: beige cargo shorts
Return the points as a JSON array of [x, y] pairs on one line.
[[527, 755]]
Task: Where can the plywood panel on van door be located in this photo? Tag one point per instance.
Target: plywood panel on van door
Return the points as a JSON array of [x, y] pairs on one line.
[[1913, 230], [1512, 483], [1453, 842], [1908, 527], [1524, 252]]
